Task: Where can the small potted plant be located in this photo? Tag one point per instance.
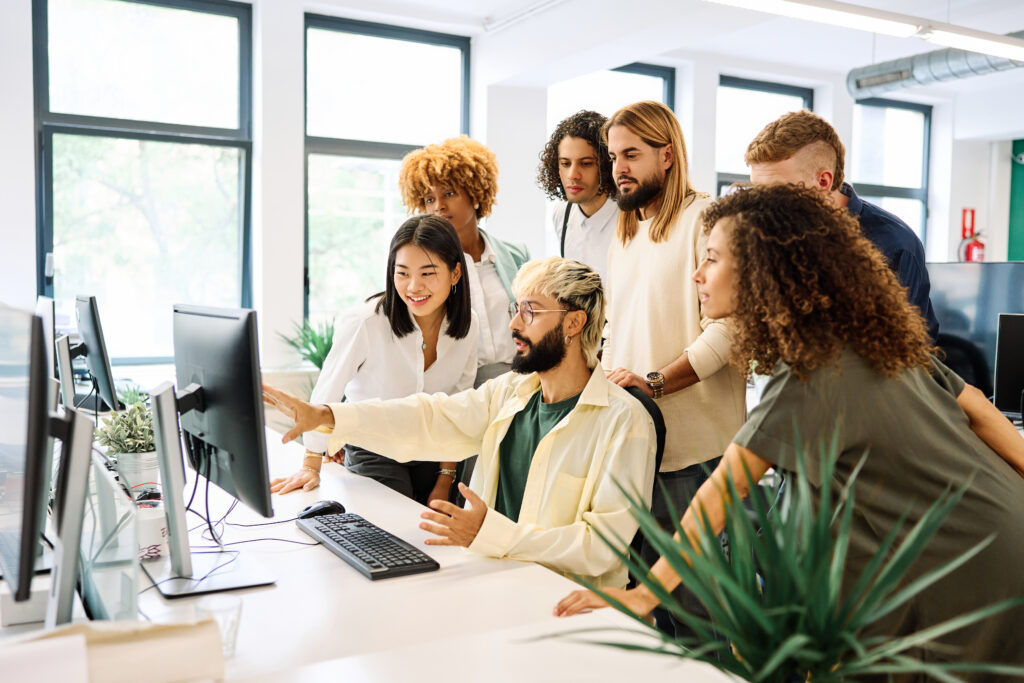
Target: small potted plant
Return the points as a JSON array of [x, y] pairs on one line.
[[128, 437]]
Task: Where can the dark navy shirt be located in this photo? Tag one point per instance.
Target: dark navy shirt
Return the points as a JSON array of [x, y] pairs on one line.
[[902, 249]]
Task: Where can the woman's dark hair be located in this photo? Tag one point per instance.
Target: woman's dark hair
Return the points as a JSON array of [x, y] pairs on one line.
[[811, 285], [436, 235], [586, 125]]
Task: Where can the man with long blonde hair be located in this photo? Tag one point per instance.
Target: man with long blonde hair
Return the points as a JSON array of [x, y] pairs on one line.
[[658, 338]]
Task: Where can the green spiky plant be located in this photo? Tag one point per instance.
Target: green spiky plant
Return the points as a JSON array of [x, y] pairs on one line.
[[130, 431], [132, 393], [312, 342], [799, 622]]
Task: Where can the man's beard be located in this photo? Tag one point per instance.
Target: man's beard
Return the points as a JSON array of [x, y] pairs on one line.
[[542, 356], [642, 195]]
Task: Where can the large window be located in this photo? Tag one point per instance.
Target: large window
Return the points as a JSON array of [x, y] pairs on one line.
[[889, 158], [607, 91], [743, 108], [373, 94], [144, 126]]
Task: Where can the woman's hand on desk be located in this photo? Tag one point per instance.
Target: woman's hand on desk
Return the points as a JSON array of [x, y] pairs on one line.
[[303, 479], [454, 525], [639, 600], [306, 416]]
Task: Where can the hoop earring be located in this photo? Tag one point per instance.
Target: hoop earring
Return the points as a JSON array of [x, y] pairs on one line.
[[455, 288]]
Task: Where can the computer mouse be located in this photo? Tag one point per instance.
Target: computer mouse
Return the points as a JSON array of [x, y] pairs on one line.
[[323, 507]]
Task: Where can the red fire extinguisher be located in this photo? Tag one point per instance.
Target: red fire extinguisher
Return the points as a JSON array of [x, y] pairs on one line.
[[972, 248]]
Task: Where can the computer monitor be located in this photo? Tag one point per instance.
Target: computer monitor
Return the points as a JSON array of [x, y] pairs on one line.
[[23, 427], [216, 360], [89, 328], [968, 298], [45, 310], [1009, 382]]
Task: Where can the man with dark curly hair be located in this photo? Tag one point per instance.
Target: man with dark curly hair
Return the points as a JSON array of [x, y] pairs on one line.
[[575, 168], [802, 148]]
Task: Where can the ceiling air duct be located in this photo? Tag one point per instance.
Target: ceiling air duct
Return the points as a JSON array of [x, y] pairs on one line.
[[929, 67]]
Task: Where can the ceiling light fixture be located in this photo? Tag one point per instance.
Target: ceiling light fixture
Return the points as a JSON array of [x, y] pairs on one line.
[[847, 15]]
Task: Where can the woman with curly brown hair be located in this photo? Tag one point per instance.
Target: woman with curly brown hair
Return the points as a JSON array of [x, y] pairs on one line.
[[815, 307], [458, 180]]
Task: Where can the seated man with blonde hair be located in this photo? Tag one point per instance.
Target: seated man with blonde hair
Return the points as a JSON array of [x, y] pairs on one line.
[[556, 439]]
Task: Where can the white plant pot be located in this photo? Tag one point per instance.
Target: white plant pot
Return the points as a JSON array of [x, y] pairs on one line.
[[136, 469]]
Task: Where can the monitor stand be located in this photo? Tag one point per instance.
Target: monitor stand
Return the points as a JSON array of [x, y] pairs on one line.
[[186, 573]]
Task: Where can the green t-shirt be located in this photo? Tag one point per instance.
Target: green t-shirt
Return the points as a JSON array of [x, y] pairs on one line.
[[515, 454]]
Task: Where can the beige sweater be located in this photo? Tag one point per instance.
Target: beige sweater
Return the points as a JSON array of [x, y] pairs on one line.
[[654, 315]]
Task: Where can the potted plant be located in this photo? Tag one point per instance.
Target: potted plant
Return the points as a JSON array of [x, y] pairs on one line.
[[312, 342], [797, 622], [128, 437]]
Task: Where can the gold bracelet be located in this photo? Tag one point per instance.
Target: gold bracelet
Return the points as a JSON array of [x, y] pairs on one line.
[[443, 471], [311, 469], [311, 454]]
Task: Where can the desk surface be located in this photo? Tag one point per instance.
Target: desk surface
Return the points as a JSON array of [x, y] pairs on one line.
[[472, 614]]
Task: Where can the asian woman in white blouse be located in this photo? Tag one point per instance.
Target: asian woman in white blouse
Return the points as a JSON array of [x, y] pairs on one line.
[[419, 335]]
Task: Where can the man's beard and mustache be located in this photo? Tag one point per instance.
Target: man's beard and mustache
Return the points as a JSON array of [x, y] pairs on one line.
[[642, 195], [542, 356]]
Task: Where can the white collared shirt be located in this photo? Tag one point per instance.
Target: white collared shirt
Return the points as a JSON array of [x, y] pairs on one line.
[[368, 361], [606, 444], [490, 303], [587, 238]]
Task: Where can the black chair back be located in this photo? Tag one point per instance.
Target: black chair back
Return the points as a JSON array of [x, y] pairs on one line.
[[659, 431]]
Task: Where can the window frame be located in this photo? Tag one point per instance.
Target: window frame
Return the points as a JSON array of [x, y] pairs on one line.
[[48, 124], [666, 73], [342, 147], [895, 191], [723, 180]]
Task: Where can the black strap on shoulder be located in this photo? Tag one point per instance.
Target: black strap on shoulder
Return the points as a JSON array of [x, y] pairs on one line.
[[565, 226]]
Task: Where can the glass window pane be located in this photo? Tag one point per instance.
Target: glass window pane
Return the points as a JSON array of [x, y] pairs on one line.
[[142, 226], [354, 210], [888, 146], [136, 61], [602, 91], [741, 114], [382, 90], [910, 210]]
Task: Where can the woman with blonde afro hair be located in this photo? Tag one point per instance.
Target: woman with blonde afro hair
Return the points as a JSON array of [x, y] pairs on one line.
[[457, 179]]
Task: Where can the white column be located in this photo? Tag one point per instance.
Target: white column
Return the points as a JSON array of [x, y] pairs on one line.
[[17, 157], [278, 195]]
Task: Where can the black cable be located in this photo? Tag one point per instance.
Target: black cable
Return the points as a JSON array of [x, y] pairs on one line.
[[205, 576], [282, 521], [257, 540], [85, 398]]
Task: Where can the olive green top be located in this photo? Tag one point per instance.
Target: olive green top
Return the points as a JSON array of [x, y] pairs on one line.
[[917, 443]]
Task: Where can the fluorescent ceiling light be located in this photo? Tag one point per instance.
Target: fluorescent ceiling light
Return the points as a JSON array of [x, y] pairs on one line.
[[834, 13], [846, 15], [988, 44]]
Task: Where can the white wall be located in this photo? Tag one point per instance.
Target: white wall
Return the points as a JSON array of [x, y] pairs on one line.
[[17, 157]]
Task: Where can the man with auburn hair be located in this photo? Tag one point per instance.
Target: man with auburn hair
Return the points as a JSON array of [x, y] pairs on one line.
[[556, 439], [804, 149], [658, 338], [575, 168]]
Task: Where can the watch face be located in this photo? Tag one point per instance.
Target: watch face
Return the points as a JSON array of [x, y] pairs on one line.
[[655, 378]]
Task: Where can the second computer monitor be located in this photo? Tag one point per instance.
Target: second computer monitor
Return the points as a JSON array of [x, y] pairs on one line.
[[1009, 383], [89, 328], [23, 429], [225, 439]]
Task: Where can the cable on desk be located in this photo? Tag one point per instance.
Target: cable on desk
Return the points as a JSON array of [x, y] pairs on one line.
[[205, 576], [256, 540]]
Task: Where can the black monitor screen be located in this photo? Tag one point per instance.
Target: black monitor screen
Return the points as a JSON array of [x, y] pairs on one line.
[[89, 328], [1009, 385], [968, 298], [218, 350], [23, 410]]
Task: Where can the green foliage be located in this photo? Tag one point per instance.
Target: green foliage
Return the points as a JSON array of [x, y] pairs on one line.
[[131, 394], [130, 431], [800, 622], [312, 342]]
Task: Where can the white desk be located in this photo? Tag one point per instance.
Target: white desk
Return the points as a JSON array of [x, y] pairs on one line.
[[472, 615]]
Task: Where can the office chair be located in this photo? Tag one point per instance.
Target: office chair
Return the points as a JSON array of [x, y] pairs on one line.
[[659, 431], [965, 359]]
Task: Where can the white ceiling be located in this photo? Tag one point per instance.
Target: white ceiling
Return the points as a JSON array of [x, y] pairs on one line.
[[694, 27]]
